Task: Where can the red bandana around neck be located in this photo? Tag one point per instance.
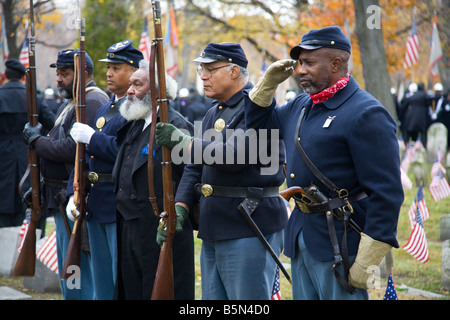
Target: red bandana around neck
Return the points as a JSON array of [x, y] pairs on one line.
[[331, 91]]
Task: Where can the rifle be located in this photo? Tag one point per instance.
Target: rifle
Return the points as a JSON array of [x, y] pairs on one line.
[[25, 265], [73, 254], [163, 287]]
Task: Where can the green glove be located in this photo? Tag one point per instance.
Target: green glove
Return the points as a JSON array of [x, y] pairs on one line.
[[262, 93], [169, 136], [182, 214], [370, 253]]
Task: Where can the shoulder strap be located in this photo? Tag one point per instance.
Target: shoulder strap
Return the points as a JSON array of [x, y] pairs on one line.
[[319, 175]]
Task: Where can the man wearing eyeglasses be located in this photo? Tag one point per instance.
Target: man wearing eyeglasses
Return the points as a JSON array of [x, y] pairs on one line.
[[234, 263]]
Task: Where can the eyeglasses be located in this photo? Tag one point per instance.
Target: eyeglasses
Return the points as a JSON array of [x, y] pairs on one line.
[[207, 72]]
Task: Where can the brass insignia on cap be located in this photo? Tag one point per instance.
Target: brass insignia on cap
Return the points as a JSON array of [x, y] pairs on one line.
[[119, 45], [332, 43], [100, 122], [219, 125]]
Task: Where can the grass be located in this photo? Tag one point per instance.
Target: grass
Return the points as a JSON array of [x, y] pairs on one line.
[[407, 270]]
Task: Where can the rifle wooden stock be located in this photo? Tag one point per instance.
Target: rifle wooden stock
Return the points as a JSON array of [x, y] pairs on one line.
[[289, 192], [26, 261], [73, 254], [163, 288]]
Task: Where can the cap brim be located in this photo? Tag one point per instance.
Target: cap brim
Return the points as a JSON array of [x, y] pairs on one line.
[[204, 60], [295, 51], [59, 65]]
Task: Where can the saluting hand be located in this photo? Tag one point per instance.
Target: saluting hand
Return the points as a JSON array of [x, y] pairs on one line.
[[262, 93]]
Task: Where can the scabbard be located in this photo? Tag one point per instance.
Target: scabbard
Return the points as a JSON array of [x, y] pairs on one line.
[[246, 208]]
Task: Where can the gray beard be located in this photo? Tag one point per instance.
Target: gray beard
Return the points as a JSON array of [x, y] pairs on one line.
[[136, 109]]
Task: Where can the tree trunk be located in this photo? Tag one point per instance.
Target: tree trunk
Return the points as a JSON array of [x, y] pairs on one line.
[[373, 55]]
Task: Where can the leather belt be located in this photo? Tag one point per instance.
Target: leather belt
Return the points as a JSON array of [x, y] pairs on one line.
[[235, 192], [60, 184], [95, 177], [327, 205]]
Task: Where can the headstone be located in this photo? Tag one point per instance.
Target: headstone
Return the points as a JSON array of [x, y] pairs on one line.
[[436, 139], [444, 227], [44, 279], [9, 241], [7, 293], [445, 282], [420, 169], [386, 265]]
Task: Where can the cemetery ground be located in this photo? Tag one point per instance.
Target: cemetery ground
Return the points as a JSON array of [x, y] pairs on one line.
[[407, 270]]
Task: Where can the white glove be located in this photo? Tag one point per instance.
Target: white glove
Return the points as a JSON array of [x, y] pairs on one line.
[[71, 210], [262, 93], [81, 132]]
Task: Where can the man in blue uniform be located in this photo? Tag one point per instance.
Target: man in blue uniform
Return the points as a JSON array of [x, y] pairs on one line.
[[13, 161], [102, 152], [351, 139], [57, 153], [235, 264]]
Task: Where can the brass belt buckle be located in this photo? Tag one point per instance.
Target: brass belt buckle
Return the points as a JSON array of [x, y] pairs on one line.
[[207, 190], [93, 176]]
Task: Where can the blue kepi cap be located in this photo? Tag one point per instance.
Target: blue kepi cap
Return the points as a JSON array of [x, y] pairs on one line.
[[228, 52], [328, 37], [124, 52]]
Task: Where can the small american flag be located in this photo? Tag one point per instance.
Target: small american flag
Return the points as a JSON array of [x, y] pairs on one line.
[[439, 187], [24, 52], [276, 292], [390, 293], [47, 252], [418, 202], [24, 229], [417, 244], [412, 47], [144, 43]]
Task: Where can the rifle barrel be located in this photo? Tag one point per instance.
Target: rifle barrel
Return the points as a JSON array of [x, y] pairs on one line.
[[25, 265], [163, 288]]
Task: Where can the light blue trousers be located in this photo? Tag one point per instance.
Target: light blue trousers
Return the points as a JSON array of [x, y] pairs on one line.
[[314, 280], [79, 288], [103, 245], [239, 269]]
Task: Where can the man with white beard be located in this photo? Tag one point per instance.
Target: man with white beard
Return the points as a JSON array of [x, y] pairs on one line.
[[122, 60], [138, 252]]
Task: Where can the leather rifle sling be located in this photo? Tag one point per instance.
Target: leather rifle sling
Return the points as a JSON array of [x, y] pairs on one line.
[[150, 163]]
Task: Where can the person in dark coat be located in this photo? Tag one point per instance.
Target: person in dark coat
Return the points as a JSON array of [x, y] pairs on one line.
[[13, 157], [235, 264], [417, 117], [138, 251], [351, 139], [101, 155], [57, 153]]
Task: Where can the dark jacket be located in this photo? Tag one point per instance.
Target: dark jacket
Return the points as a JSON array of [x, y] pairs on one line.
[[220, 218], [13, 159], [417, 117], [57, 150], [358, 151], [141, 209], [101, 153]]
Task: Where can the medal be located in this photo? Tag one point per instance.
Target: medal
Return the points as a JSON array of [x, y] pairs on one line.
[[328, 122], [100, 122], [219, 125]]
